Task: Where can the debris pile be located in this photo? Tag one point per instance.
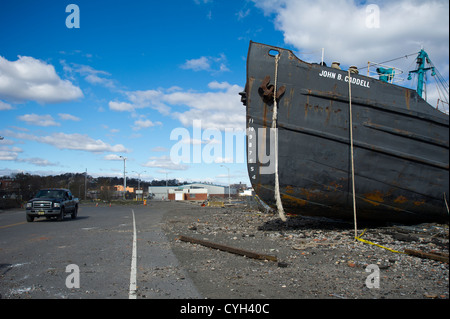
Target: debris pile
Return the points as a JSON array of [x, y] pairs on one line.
[[316, 257]]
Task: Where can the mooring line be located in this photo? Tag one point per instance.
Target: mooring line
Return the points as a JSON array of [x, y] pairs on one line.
[[274, 126], [352, 154]]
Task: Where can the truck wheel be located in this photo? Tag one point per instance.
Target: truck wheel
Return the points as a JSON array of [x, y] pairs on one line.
[[75, 212], [30, 219], [61, 214]]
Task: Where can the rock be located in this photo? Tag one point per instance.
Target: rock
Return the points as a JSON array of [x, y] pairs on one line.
[[332, 264]]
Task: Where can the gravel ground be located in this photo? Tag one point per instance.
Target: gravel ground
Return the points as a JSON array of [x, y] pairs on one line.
[[316, 258]]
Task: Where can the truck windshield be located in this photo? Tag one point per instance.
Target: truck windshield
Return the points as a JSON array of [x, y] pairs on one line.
[[50, 193]]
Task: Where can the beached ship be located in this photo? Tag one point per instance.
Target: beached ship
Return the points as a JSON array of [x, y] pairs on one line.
[[336, 142]]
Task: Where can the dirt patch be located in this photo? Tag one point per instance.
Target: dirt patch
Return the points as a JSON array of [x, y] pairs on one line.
[[316, 258]]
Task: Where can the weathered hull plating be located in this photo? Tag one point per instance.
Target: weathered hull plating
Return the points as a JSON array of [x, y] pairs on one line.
[[401, 143]]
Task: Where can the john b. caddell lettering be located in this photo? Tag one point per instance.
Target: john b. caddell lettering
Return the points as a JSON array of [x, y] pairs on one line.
[[340, 77]]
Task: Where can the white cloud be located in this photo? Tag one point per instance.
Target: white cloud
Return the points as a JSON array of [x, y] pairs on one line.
[[203, 1], [74, 141], [12, 153], [159, 149], [68, 117], [38, 161], [38, 120], [13, 172], [9, 153], [5, 106], [29, 79], [219, 108], [210, 64], [112, 157], [346, 29], [91, 75], [95, 79], [141, 99], [199, 64], [241, 14], [164, 162], [7, 156], [121, 106], [140, 124], [80, 142], [151, 99], [6, 142], [219, 85], [340, 27]]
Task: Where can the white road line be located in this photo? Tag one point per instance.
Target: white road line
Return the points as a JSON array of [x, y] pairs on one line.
[[132, 293]]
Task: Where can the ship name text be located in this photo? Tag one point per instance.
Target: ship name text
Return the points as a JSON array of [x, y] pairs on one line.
[[340, 77]]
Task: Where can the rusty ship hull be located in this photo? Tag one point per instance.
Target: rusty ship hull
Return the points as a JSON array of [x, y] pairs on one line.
[[400, 142]]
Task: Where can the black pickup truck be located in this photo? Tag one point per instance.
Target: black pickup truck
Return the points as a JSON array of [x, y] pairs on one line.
[[52, 202]]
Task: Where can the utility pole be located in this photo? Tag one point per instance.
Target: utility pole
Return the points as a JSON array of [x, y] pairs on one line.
[[139, 182], [229, 185], [167, 190], [124, 176], [85, 185]]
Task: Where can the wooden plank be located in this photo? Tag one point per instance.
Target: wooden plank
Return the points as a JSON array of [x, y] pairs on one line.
[[229, 249], [216, 204], [422, 254]]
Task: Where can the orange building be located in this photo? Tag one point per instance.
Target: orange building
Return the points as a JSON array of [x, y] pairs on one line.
[[119, 188]]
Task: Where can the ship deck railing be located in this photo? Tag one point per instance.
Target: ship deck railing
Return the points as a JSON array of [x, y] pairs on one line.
[[390, 78]]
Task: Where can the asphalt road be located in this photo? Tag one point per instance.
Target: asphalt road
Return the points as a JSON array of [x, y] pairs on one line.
[[107, 252]]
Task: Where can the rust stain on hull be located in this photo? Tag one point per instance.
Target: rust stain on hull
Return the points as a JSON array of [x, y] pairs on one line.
[[295, 200], [375, 198], [400, 200], [289, 189], [419, 203], [407, 98]]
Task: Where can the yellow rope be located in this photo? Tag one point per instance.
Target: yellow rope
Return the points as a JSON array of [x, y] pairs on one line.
[[371, 243]]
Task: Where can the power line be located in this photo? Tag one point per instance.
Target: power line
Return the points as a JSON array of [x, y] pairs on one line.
[[402, 57]]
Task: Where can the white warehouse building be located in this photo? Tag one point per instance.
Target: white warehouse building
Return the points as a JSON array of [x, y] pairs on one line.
[[214, 190], [162, 192]]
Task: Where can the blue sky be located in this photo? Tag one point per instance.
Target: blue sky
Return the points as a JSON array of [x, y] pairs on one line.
[[135, 72]]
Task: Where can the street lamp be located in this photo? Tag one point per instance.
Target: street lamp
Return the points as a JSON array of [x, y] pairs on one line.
[[139, 181], [85, 185], [124, 176], [229, 185], [167, 187]]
